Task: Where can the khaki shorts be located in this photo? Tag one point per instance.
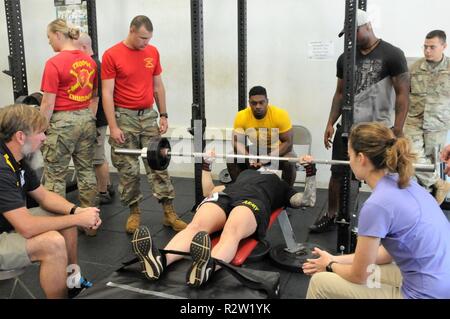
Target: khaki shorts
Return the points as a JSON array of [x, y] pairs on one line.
[[99, 155], [13, 246]]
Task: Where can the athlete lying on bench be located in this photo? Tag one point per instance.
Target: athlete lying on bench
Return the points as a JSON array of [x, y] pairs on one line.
[[240, 210]]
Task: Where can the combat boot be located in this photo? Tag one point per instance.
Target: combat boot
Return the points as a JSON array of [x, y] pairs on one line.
[[171, 218], [442, 189], [90, 232], [134, 220]]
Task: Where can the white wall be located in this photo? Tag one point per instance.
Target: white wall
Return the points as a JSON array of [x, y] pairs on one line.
[[278, 37]]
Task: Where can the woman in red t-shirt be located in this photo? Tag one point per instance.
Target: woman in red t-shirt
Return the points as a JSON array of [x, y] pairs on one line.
[[69, 83]]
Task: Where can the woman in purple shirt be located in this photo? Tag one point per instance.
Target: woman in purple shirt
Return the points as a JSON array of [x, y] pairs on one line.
[[403, 248]]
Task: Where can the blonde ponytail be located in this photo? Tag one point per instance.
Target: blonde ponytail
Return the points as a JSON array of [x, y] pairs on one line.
[[399, 159], [74, 33], [68, 30]]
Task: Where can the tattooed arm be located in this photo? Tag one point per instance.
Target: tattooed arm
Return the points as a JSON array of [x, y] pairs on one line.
[[401, 84]]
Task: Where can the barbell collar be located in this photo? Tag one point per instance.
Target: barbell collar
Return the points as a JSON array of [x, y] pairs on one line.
[[134, 152]]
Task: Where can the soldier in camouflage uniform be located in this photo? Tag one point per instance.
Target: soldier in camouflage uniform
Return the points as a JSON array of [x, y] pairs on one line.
[[428, 119], [138, 130], [71, 135], [131, 83], [69, 103]]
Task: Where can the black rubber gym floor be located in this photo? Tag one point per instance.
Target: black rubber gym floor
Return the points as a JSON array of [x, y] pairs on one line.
[[101, 255]]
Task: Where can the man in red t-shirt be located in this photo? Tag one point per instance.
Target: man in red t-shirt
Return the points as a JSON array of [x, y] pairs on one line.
[[131, 82]]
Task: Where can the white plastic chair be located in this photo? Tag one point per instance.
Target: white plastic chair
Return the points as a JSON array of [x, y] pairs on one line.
[[14, 274], [302, 145]]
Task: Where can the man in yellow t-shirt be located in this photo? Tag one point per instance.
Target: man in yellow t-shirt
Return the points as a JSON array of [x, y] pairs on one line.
[[263, 129]]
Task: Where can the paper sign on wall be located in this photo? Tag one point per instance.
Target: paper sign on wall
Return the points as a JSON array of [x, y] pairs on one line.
[[321, 50]]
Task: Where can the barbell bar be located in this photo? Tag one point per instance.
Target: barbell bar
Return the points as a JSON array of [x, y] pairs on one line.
[[158, 155]]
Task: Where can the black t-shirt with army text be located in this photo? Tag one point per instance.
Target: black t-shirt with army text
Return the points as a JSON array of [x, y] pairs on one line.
[[266, 187]]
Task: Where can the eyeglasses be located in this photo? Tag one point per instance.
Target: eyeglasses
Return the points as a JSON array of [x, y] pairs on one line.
[[255, 103]]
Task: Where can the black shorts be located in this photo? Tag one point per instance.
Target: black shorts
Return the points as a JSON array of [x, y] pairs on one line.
[[339, 152], [257, 206]]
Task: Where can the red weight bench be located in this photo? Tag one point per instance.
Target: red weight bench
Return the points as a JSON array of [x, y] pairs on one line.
[[290, 255], [247, 245]]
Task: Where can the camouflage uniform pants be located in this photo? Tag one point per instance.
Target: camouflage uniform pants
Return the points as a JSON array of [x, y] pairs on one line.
[[423, 144], [71, 135], [138, 130]]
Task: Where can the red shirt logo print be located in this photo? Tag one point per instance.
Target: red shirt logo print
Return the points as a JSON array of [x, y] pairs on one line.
[[83, 74], [149, 63]]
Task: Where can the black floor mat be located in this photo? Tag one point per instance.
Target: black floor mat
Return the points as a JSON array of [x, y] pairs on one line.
[[129, 283]]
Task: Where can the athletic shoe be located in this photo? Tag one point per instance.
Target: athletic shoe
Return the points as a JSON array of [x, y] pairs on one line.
[[105, 198], [296, 200], [111, 190], [323, 225], [152, 262], [202, 265], [84, 284]]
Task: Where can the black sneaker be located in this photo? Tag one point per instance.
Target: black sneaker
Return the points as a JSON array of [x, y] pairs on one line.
[[152, 262], [104, 198], [202, 265], [111, 190], [324, 224], [84, 284]]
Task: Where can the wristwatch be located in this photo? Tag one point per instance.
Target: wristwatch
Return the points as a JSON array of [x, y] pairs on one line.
[[73, 209], [164, 115], [328, 267]]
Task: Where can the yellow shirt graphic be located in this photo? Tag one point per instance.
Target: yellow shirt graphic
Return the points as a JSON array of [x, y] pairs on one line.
[[267, 130]]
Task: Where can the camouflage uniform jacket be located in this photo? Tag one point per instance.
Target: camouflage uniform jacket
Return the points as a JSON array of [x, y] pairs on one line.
[[429, 108]]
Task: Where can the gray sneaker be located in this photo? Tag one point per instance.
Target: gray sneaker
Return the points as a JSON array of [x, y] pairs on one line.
[[296, 200]]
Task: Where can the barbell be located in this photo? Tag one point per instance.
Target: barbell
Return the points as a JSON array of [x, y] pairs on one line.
[[159, 153]]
